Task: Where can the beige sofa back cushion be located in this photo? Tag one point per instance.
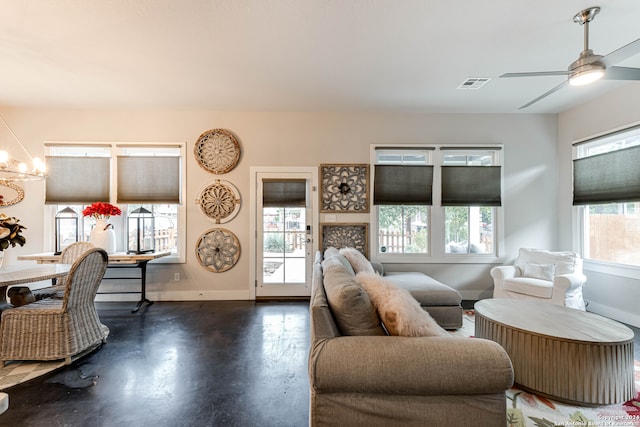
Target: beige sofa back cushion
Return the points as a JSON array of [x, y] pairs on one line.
[[351, 307]]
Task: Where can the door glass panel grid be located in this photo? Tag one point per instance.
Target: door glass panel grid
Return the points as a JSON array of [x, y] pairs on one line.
[[284, 245]]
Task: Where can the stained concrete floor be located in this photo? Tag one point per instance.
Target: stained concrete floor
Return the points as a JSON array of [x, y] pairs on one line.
[[231, 363], [227, 363]]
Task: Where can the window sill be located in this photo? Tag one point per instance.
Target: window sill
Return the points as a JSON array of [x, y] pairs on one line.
[[629, 271], [443, 259]]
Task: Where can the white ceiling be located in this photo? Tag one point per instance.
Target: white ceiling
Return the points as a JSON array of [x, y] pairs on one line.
[[301, 55]]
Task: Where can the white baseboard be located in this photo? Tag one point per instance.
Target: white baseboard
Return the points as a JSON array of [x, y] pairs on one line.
[[614, 313]]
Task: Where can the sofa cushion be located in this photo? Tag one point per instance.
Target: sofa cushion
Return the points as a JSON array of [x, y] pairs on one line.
[[539, 271], [400, 313], [357, 260], [350, 304], [528, 286], [427, 290], [337, 259]]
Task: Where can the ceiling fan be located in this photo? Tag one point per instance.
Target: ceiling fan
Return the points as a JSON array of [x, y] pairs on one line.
[[589, 67]]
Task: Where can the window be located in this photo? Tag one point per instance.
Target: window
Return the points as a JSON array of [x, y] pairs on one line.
[[402, 192], [470, 190], [606, 194], [433, 202], [129, 175]]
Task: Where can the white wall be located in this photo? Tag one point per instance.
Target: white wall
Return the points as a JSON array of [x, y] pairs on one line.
[[304, 139], [609, 294]]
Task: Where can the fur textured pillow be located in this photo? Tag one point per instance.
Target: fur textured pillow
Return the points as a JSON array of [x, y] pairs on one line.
[[400, 313], [357, 260], [540, 271]]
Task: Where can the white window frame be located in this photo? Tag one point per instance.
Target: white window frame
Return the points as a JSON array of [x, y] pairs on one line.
[[120, 222], [436, 222]]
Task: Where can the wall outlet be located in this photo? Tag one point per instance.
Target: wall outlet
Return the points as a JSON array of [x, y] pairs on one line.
[[176, 277]]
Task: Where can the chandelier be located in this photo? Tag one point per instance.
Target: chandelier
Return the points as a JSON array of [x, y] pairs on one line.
[[15, 170]]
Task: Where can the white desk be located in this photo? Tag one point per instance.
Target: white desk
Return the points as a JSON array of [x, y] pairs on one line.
[[118, 259], [20, 274]]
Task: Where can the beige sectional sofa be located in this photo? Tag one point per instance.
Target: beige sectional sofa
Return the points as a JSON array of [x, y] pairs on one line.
[[362, 377]]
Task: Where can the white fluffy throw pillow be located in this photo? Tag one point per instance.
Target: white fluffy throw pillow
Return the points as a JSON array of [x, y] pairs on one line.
[[357, 260], [540, 271], [400, 313]]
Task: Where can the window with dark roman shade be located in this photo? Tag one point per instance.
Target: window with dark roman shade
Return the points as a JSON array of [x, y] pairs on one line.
[[612, 177], [403, 185], [284, 193], [149, 179], [471, 186], [77, 180]]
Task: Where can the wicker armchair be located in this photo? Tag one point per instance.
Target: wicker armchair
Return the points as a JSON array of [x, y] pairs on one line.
[[52, 329], [68, 256]]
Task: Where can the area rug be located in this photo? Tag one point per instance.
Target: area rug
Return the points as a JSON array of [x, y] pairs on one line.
[[529, 410], [15, 373]]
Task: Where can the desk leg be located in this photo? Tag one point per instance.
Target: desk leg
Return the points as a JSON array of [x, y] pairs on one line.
[[143, 291]]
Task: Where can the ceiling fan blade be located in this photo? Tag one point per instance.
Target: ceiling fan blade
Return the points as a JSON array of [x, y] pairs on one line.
[[622, 73], [621, 54], [536, 74], [544, 95]]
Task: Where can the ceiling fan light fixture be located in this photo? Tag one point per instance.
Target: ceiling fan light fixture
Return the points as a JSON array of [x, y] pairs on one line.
[[586, 74]]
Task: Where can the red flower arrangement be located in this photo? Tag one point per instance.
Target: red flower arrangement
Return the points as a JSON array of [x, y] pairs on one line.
[[100, 210]]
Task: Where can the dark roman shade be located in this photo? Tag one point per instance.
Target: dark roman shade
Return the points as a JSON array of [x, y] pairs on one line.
[[284, 193], [471, 186], [612, 177], [403, 185], [149, 179], [77, 180]]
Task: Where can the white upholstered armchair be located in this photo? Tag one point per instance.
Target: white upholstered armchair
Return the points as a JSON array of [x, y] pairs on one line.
[[555, 277]]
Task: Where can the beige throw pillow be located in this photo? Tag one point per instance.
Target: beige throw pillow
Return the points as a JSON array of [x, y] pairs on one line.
[[400, 313], [357, 260]]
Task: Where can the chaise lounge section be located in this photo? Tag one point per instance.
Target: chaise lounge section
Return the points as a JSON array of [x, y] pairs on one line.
[[369, 379]]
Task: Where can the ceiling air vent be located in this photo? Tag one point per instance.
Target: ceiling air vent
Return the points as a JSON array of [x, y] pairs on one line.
[[474, 83]]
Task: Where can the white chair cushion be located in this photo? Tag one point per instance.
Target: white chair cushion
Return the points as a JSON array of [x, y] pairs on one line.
[[565, 262], [528, 286]]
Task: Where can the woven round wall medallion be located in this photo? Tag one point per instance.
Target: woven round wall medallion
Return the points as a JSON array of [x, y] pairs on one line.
[[18, 195], [220, 201], [218, 250], [217, 151]]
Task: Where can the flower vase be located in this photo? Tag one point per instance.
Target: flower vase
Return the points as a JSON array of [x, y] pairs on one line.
[[103, 236]]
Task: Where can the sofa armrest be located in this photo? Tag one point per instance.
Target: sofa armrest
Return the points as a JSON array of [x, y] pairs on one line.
[[409, 366], [569, 282]]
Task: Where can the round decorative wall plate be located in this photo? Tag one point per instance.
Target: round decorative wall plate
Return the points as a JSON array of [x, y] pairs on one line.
[[218, 250], [220, 201], [217, 151], [17, 196]]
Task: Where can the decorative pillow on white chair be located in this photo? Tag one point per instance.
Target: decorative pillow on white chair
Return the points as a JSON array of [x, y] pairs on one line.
[[357, 260], [540, 271], [400, 313]]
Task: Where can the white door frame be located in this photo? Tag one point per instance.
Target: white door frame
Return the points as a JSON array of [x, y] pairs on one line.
[[254, 217]]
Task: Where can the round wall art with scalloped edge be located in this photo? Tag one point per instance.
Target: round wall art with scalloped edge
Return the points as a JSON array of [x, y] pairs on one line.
[[218, 250], [217, 151], [18, 193], [220, 201]]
